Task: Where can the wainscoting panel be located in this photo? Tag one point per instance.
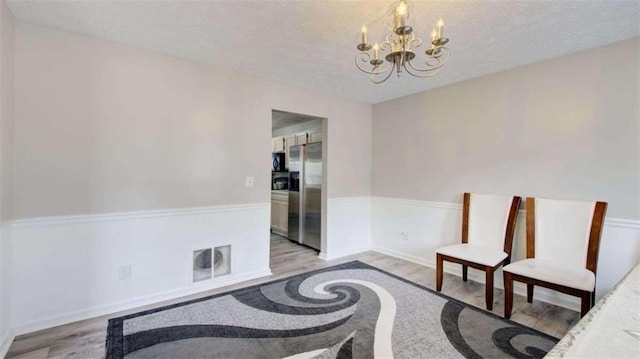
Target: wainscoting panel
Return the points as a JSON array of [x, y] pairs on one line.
[[348, 227], [413, 230], [69, 268], [6, 330], [6, 339]]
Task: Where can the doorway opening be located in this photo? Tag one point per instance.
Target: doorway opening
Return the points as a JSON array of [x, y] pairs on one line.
[[298, 178]]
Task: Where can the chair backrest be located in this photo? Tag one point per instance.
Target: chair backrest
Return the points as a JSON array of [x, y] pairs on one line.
[[566, 232], [489, 220]]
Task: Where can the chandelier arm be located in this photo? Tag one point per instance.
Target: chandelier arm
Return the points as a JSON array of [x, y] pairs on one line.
[[423, 73], [415, 42], [390, 68], [431, 68], [389, 38], [446, 55], [385, 46], [443, 58], [362, 58]]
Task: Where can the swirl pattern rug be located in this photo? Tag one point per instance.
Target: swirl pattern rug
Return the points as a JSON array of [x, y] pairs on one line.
[[351, 310]]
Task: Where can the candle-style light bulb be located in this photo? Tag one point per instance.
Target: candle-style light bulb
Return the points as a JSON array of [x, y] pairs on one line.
[[434, 35], [375, 51], [364, 34], [400, 18], [440, 26], [402, 8]]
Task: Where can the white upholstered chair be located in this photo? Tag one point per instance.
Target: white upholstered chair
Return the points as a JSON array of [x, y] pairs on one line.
[[488, 224], [563, 240]]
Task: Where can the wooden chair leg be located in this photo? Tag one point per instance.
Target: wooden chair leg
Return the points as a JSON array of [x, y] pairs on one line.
[[530, 293], [489, 287], [465, 270], [439, 273], [508, 294], [585, 303]]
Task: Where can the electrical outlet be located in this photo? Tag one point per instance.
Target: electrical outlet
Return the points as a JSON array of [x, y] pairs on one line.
[[248, 182], [404, 235], [124, 272]]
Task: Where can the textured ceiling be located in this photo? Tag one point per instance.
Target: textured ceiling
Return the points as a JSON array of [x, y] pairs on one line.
[[282, 119], [311, 44]]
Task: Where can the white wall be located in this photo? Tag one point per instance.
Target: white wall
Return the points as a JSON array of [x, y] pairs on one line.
[[117, 128], [563, 128], [6, 170], [108, 131]]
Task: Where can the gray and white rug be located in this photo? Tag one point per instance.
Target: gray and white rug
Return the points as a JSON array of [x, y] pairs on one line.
[[351, 310]]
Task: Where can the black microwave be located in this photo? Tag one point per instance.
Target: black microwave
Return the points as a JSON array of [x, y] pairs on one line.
[[277, 162]]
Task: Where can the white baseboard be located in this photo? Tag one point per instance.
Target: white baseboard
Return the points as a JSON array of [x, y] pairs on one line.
[[342, 254], [406, 257], [6, 341], [134, 303]]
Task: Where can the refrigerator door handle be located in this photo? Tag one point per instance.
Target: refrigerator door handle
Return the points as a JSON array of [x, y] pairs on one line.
[[312, 211], [301, 209]]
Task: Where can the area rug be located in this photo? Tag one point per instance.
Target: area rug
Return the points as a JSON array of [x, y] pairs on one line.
[[351, 310]]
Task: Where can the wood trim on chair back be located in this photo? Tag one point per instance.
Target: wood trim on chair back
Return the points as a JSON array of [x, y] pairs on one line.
[[465, 217], [511, 226], [531, 226], [595, 235]]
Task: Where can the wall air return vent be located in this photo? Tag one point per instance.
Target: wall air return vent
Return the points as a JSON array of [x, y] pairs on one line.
[[208, 263]]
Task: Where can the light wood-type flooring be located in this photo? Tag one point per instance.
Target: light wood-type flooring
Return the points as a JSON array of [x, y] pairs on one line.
[[86, 339]]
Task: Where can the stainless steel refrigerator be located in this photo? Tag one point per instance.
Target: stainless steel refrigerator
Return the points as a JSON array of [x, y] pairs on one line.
[[305, 194]]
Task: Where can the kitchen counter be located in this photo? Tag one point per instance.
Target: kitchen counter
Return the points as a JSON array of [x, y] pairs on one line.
[[280, 211], [611, 329]]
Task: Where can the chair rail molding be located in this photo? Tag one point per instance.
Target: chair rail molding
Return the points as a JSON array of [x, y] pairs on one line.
[[115, 216], [418, 203], [622, 223]]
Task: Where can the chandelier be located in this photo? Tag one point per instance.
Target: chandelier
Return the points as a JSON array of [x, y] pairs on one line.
[[399, 46]]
